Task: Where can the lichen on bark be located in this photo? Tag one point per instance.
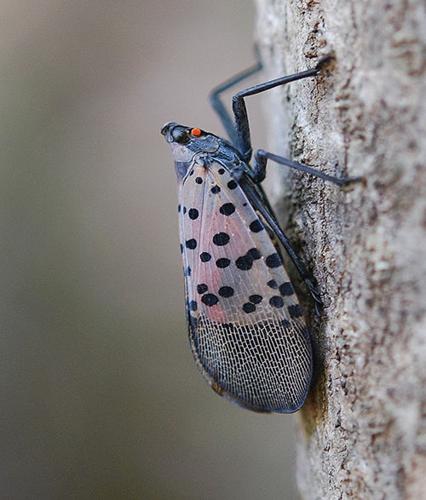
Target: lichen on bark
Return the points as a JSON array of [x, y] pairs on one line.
[[362, 433]]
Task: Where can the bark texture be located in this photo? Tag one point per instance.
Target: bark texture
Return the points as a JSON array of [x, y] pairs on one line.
[[362, 431]]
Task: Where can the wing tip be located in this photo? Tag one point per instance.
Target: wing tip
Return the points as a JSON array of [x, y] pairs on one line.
[[247, 405], [283, 405]]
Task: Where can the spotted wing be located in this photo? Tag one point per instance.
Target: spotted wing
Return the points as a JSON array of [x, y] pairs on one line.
[[246, 327]]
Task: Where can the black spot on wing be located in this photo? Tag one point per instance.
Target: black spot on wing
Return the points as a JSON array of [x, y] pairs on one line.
[[248, 307], [227, 209], [193, 213], [254, 253], [222, 262], [202, 288], [226, 291], [221, 239], [286, 289], [191, 244], [272, 284], [285, 323], [273, 260], [256, 226], [295, 311], [205, 256], [209, 299], [276, 301], [255, 299], [244, 263]]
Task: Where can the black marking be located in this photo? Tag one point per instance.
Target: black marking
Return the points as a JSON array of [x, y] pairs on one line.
[[295, 311], [193, 305], [255, 299], [226, 291], [273, 260], [209, 299], [256, 226], [221, 239], [276, 301], [215, 189], [227, 209], [202, 288], [198, 180], [223, 262], [184, 210], [187, 271], [179, 207], [205, 256], [286, 289], [254, 253], [244, 263], [249, 307], [221, 171], [191, 173], [193, 213], [272, 284], [232, 184], [181, 248], [191, 244]]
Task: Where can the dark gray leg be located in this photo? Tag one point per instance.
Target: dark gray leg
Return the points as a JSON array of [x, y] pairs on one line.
[[243, 141], [261, 158], [217, 104]]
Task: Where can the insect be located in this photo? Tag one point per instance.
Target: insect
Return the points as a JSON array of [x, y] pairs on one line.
[[246, 328]]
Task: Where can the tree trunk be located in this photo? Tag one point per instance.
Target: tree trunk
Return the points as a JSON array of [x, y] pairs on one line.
[[362, 430]]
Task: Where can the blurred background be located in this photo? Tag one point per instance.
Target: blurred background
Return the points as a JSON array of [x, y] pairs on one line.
[[100, 397]]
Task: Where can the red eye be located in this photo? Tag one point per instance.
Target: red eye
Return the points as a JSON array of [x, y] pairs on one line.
[[196, 132]]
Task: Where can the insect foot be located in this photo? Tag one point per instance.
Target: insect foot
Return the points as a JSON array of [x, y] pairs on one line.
[[324, 61], [313, 290], [349, 183]]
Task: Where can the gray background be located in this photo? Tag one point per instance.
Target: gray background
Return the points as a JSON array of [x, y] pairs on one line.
[[100, 395]]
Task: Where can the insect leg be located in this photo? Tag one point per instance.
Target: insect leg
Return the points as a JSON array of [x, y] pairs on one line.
[[219, 107], [243, 141], [256, 200], [261, 158]]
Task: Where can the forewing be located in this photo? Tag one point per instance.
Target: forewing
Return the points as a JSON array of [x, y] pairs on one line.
[[246, 326]]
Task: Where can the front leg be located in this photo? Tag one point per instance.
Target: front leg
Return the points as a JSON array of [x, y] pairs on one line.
[[242, 126], [217, 104]]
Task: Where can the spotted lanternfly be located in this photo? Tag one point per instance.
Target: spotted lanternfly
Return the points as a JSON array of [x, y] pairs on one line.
[[246, 327]]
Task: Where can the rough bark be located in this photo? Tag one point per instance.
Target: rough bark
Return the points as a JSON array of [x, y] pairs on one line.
[[362, 431]]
